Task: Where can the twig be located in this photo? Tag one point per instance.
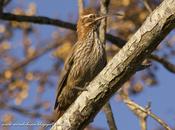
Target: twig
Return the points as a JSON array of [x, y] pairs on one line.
[[1, 7], [142, 113], [103, 10], [80, 6], [148, 112], [169, 66], [161, 122], [147, 6], [135, 108], [109, 116], [23, 111], [28, 60]]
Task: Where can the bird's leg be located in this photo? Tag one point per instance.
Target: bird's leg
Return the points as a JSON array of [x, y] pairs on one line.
[[79, 88], [86, 84]]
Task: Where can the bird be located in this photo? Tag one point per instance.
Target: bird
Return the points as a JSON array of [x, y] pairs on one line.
[[85, 61]]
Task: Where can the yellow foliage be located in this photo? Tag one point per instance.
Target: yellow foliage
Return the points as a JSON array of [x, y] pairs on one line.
[[31, 52], [138, 87], [7, 118], [31, 9], [5, 45], [63, 51], [29, 76], [8, 74], [2, 28]]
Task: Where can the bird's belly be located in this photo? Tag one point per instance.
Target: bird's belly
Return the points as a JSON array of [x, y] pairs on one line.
[[92, 66]]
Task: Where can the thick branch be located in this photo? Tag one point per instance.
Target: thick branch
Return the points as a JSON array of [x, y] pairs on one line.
[[123, 65]]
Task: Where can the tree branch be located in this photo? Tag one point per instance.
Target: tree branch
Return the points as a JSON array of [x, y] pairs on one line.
[[143, 113], [123, 65], [54, 22], [109, 116], [169, 66], [24, 62], [80, 6], [1, 7], [145, 2], [106, 108], [103, 10], [24, 111], [38, 20]]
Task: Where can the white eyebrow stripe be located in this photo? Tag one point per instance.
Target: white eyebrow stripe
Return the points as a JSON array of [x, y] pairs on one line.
[[88, 15]]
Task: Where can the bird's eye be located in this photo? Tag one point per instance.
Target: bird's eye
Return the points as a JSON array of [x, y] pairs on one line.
[[92, 16]]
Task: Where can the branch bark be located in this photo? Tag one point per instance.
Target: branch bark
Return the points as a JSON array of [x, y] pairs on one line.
[[109, 116], [123, 65]]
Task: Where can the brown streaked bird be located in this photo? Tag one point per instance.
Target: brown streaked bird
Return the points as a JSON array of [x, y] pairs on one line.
[[85, 61]]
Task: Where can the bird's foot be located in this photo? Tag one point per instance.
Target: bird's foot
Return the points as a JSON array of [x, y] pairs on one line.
[[79, 88]]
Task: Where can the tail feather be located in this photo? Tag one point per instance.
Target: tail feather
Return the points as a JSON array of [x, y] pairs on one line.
[[56, 104], [57, 114]]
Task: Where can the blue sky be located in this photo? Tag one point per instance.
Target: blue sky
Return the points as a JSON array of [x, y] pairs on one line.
[[160, 96]]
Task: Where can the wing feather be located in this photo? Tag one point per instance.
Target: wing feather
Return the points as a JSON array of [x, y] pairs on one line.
[[64, 76]]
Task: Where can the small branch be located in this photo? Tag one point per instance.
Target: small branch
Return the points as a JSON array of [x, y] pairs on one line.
[[55, 22], [38, 20], [103, 10], [23, 111], [135, 108], [109, 116], [23, 63], [80, 6], [1, 7], [143, 124], [147, 6], [141, 112], [161, 122], [169, 66]]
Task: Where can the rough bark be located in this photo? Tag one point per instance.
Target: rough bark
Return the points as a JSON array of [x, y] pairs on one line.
[[123, 65]]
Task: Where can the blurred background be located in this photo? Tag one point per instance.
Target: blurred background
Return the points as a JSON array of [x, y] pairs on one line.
[[32, 57]]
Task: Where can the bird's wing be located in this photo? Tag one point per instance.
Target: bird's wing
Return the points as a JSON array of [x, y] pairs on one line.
[[64, 76]]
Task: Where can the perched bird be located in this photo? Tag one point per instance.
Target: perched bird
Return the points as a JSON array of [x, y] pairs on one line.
[[85, 61]]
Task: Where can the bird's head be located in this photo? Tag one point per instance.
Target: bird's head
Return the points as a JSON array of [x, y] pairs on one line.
[[89, 20]]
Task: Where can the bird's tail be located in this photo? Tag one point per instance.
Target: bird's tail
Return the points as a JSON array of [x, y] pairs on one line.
[[58, 114]]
